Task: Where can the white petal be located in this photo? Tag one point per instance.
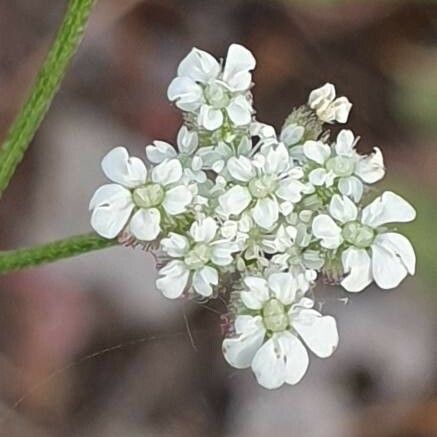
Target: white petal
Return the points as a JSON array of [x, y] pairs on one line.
[[342, 209], [357, 266], [239, 351], [387, 267], [325, 93], [266, 212], [344, 144], [187, 141], [327, 230], [204, 230], [258, 293], [388, 208], [282, 285], [318, 332], [177, 199], [276, 160], [318, 176], [240, 168], [296, 357], [167, 172], [239, 61], [235, 200], [159, 151], [292, 134], [173, 279], [187, 94], [175, 245], [401, 246], [127, 171], [199, 66], [351, 187], [240, 111], [145, 224], [290, 189], [210, 118], [371, 168], [222, 252], [112, 206], [341, 108], [317, 151], [203, 279]]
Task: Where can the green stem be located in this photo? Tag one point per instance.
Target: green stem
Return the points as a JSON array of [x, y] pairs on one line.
[[19, 259], [47, 83]]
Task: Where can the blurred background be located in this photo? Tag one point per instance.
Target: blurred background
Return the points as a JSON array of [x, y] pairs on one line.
[[88, 347]]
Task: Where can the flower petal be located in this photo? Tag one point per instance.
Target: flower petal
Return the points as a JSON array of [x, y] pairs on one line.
[[258, 293], [177, 199], [319, 96], [351, 187], [187, 94], [145, 224], [204, 230], [318, 332], [371, 168], [239, 351], [290, 189], [159, 151], [327, 231], [283, 287], [112, 206], [240, 111], [235, 200], [342, 209], [266, 212], [388, 208], [239, 61], [199, 66], [387, 266], [222, 252], [168, 172], [203, 279], [276, 160], [292, 134], [296, 357], [240, 168], [358, 268], [187, 141], [210, 118], [173, 279], [175, 245], [127, 171], [344, 145], [317, 151]]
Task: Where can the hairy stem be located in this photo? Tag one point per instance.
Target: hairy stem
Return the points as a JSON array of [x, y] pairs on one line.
[[47, 83], [19, 259]]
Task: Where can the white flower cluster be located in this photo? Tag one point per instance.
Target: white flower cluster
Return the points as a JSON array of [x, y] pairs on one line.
[[239, 211]]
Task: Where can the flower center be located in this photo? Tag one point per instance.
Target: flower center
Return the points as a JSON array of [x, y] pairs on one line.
[[274, 316], [216, 95], [263, 186], [198, 256], [148, 196], [341, 165], [358, 234]]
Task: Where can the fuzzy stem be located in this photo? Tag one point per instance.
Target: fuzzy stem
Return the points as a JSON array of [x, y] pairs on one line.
[[46, 85], [19, 259]]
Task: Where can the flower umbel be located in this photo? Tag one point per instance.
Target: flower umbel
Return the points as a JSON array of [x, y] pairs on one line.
[[240, 212]]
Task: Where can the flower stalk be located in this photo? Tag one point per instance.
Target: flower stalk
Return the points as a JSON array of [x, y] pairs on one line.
[[46, 85], [14, 260]]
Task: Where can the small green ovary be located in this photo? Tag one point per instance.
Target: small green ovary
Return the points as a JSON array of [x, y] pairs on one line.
[[274, 315], [217, 96], [359, 235], [341, 165], [263, 186], [148, 196], [198, 256]]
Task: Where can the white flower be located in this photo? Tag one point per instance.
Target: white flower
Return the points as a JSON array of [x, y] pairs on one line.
[[292, 134], [329, 109], [370, 251], [269, 181], [211, 92], [137, 197], [342, 162], [271, 340], [197, 259]]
